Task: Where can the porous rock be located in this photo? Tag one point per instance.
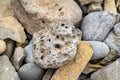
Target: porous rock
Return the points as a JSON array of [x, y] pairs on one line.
[[55, 45], [12, 29], [37, 14], [94, 25]]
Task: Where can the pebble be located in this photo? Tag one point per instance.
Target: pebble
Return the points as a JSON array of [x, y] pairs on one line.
[[94, 25], [47, 12], [113, 39], [7, 71], [109, 72], [100, 49], [2, 46], [74, 68], [56, 45], [30, 71], [84, 2], [109, 5], [17, 58], [12, 29]]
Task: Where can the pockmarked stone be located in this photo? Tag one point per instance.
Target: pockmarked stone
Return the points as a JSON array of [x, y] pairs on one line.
[[94, 25], [55, 45]]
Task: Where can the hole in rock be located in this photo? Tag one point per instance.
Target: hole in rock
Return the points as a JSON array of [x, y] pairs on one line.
[[66, 27], [42, 57], [60, 9], [58, 46], [62, 24]]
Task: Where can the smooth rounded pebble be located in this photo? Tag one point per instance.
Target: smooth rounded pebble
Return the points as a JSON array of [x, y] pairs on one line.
[[2, 46], [100, 49]]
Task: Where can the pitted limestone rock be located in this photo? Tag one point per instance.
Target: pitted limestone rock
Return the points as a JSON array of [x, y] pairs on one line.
[[55, 45]]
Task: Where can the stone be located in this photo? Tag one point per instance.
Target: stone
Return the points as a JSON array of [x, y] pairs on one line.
[[109, 5], [100, 49], [110, 72], [10, 45], [94, 7], [74, 68], [7, 71], [12, 29], [30, 71], [56, 45], [48, 74], [113, 39], [45, 12], [18, 57], [29, 54], [6, 8], [94, 25], [84, 2], [2, 46]]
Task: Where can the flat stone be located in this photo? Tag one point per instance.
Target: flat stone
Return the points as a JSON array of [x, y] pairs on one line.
[[113, 39], [109, 5], [100, 49], [110, 72], [94, 25], [10, 45], [38, 16], [29, 54], [12, 29], [94, 7], [30, 71], [56, 45], [6, 8], [74, 68], [84, 2], [2, 46], [7, 71], [18, 57]]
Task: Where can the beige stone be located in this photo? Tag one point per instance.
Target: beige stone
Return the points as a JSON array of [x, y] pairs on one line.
[[109, 5], [38, 16], [6, 8], [73, 69], [18, 57], [11, 28], [94, 7], [84, 2], [2, 46]]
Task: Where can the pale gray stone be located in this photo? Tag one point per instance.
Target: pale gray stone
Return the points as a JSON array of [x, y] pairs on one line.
[[97, 25]]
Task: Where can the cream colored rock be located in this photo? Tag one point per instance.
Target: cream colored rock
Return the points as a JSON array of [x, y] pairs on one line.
[[11, 28], [37, 14], [84, 2], [55, 45], [2, 46], [6, 8], [74, 68], [109, 5], [94, 7]]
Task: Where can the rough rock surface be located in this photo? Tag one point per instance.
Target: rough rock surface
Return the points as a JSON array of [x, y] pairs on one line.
[[2, 46], [55, 45], [30, 71], [100, 49], [113, 39], [110, 72], [74, 68], [7, 71], [37, 14], [96, 25], [18, 57], [84, 2], [11, 28]]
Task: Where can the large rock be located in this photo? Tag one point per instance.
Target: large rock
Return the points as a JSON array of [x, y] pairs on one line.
[[55, 45], [43, 12], [11, 28], [100, 49], [6, 8], [30, 71], [2, 46], [110, 72], [113, 39], [74, 68], [109, 5], [96, 25], [7, 71]]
